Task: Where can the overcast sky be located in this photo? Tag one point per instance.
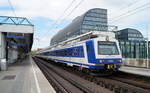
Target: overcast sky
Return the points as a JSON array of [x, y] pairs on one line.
[[44, 13]]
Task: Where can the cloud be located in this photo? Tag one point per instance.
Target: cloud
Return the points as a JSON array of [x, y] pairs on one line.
[[41, 43], [36, 8], [42, 40], [3, 3], [50, 10], [54, 8]]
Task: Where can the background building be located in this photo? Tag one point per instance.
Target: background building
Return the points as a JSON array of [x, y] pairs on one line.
[[94, 19], [133, 47], [132, 43], [129, 34]]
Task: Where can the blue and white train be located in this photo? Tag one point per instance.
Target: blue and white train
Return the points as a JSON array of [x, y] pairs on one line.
[[94, 51]]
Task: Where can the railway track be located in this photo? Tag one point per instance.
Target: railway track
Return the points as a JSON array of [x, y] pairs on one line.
[[117, 83], [65, 82], [114, 84], [139, 81]]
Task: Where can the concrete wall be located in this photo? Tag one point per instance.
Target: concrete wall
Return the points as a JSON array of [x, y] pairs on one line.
[[12, 55], [136, 62], [2, 46], [16, 28]]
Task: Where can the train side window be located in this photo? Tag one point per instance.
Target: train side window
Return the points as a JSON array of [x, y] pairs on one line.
[[75, 52], [62, 52], [54, 53], [57, 53], [69, 52], [65, 52], [80, 52]]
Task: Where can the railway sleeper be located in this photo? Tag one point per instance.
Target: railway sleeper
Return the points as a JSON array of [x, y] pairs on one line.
[[113, 85]]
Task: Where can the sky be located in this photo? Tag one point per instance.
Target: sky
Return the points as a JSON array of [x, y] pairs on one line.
[[48, 16]]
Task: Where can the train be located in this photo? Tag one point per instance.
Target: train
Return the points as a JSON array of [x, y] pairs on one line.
[[94, 51]]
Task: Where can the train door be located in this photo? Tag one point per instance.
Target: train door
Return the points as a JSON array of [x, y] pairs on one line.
[[90, 51], [69, 54]]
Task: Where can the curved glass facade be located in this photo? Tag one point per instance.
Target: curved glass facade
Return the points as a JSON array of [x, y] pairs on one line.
[[132, 43], [129, 34], [93, 19], [131, 49]]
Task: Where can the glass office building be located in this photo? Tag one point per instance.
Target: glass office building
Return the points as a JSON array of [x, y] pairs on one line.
[[131, 49], [129, 34], [132, 43], [93, 19]]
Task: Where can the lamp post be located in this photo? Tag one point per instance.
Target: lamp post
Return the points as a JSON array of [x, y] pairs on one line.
[[146, 39], [147, 60], [147, 54]]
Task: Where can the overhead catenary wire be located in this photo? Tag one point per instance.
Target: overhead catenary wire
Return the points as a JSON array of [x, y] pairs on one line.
[[130, 12], [55, 23], [133, 13], [126, 7], [68, 7], [12, 8], [83, 0], [71, 11], [130, 4]]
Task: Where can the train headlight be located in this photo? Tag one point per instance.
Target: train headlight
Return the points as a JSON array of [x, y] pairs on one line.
[[120, 61]]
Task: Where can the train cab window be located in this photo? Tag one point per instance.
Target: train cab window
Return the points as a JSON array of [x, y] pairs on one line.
[[107, 48]]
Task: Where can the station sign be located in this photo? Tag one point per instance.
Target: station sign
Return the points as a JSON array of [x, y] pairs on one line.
[[17, 44], [15, 36]]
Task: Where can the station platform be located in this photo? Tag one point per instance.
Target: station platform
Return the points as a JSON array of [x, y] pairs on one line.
[[24, 77], [136, 70]]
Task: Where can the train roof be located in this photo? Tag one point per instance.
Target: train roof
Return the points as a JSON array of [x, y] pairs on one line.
[[82, 37]]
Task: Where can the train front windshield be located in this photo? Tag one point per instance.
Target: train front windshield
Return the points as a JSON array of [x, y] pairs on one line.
[[107, 48]]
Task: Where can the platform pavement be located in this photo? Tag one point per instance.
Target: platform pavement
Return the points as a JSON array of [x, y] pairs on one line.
[[24, 77], [136, 70]]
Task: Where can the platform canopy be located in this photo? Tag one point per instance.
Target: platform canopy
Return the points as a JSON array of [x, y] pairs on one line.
[[15, 25], [18, 32]]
